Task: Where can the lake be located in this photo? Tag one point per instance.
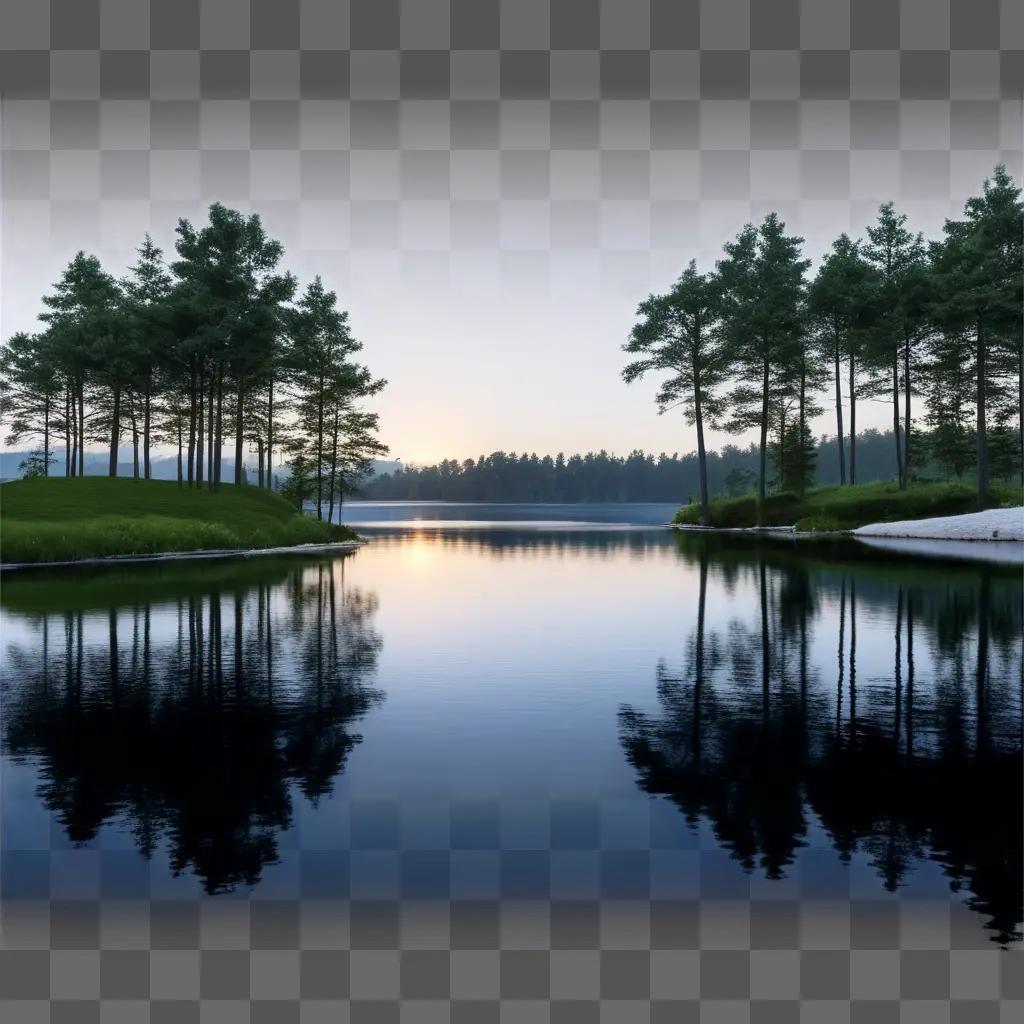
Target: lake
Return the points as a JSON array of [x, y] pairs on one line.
[[525, 728]]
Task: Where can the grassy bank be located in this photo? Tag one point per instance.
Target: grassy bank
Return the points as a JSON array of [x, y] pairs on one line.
[[846, 508], [60, 519]]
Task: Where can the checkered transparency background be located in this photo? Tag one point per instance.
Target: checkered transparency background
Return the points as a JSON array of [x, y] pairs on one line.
[[492, 148], [513, 148]]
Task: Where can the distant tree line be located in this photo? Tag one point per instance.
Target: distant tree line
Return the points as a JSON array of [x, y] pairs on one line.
[[754, 344], [600, 476], [215, 346]]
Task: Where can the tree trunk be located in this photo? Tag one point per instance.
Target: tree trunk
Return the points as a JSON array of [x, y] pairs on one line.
[[192, 427], [76, 466], [68, 461], [320, 451], [135, 438], [782, 449], [1020, 402], [211, 434], [81, 427], [46, 438], [270, 435], [334, 467], [702, 457], [115, 432], [146, 424], [801, 451], [239, 425], [982, 424], [764, 447], [853, 421], [199, 433], [906, 411], [259, 456], [839, 419], [179, 450], [218, 450], [896, 418]]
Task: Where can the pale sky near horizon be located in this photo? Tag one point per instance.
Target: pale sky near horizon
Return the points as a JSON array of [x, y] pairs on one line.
[[513, 370], [492, 188]]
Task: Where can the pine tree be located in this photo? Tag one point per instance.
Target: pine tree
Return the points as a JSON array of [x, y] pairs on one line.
[[83, 314], [979, 294], [148, 334], [949, 400], [30, 392], [901, 319], [762, 279], [838, 302], [680, 334]]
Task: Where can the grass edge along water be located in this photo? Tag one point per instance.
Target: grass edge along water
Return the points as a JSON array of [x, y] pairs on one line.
[[66, 519], [839, 507]]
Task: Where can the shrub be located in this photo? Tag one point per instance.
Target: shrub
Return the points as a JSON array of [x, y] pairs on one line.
[[817, 524]]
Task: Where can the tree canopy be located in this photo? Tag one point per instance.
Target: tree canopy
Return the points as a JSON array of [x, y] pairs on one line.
[[911, 320], [212, 345]]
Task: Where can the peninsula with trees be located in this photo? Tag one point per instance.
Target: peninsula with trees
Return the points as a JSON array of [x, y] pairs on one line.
[[755, 345], [218, 347]]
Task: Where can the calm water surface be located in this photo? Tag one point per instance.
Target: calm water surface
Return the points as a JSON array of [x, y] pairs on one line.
[[516, 703]]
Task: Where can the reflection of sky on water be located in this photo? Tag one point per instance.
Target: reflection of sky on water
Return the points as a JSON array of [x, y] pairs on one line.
[[495, 756]]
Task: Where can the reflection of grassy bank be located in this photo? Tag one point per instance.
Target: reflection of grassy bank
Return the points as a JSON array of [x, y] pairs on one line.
[[830, 551], [846, 508], [100, 587], [61, 519]]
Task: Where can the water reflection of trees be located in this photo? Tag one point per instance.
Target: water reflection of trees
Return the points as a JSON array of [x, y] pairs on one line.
[[540, 542], [193, 719], [922, 762]]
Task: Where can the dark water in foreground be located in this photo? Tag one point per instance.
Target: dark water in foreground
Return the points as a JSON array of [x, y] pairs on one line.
[[530, 712]]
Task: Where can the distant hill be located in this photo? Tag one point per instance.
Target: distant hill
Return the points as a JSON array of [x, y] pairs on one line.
[[162, 468]]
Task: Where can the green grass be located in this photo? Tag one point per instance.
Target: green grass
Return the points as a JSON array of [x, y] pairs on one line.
[[58, 519], [846, 508]]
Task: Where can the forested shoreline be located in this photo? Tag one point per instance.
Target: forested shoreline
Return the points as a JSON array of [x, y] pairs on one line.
[[220, 344], [641, 476], [755, 345], [215, 345]]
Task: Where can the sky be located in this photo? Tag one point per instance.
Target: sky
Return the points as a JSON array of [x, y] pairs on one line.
[[492, 188]]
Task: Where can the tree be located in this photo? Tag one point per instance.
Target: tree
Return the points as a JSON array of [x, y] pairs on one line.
[[146, 291], [978, 293], [838, 299], [326, 385], [300, 484], [949, 403], [30, 389], [679, 334], [234, 296], [37, 464], [191, 353], [762, 280], [901, 321], [352, 459], [82, 316], [794, 450]]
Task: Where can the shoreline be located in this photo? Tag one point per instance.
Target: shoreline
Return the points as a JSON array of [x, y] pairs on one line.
[[184, 556], [994, 536], [994, 525]]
